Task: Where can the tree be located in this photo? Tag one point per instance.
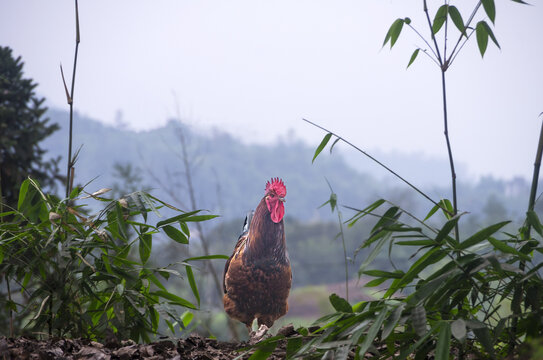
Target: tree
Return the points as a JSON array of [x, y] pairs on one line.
[[22, 128]]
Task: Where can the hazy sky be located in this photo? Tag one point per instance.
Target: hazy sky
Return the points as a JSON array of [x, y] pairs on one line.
[[255, 68]]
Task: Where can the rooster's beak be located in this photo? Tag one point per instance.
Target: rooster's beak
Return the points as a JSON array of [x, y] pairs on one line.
[[282, 199]]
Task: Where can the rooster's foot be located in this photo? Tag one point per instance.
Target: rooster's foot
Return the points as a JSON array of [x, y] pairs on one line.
[[258, 335]]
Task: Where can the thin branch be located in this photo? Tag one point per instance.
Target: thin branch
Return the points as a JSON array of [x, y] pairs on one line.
[[426, 41], [430, 56], [377, 161], [453, 58], [432, 32], [445, 36], [69, 172]]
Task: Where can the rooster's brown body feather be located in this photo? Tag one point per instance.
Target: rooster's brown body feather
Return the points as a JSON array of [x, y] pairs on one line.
[[257, 277]]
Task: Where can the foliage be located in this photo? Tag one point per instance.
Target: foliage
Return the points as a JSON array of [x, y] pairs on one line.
[[478, 294], [85, 276], [455, 295], [22, 129]]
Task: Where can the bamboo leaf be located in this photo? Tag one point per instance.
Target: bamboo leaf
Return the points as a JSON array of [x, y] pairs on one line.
[[392, 321], [264, 351], [198, 218], [208, 257], [481, 235], [482, 37], [413, 57], [321, 146], [145, 246], [491, 34], [380, 273], [22, 193], [490, 9], [174, 299], [503, 247], [396, 30], [533, 220], [175, 234], [443, 342], [372, 332], [340, 304], [432, 212], [456, 17], [446, 229], [192, 282], [176, 218], [439, 18]]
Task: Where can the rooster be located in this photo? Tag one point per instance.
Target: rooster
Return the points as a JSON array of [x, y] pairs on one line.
[[257, 277]]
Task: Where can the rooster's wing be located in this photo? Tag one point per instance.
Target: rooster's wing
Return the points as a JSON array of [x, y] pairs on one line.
[[239, 245]]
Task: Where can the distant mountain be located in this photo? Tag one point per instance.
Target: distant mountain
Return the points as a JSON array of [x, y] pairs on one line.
[[229, 177]]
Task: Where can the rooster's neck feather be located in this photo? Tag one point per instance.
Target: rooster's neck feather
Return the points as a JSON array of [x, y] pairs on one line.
[[266, 239]]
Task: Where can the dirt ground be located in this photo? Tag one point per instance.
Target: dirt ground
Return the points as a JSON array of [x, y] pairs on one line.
[[193, 347]]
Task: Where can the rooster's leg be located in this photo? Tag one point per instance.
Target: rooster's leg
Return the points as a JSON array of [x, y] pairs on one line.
[[260, 334]]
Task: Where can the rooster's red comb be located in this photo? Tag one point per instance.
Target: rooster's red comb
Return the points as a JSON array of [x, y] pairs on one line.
[[277, 186]]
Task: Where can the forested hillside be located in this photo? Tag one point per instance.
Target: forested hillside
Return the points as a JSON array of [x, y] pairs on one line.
[[229, 176]]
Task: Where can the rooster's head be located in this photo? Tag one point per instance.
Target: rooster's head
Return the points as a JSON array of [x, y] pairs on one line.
[[275, 197]]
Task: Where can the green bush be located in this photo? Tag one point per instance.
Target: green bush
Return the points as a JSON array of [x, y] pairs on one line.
[[69, 274]]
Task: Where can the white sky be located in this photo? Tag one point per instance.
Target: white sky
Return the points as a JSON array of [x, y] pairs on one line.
[[255, 68]]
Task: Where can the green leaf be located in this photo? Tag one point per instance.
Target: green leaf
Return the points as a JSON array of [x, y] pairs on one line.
[[395, 31], [264, 351], [432, 212], [340, 304], [430, 257], [375, 282], [392, 321], [439, 18], [483, 335], [491, 34], [416, 242], [443, 342], [458, 329], [186, 318], [503, 247], [177, 218], [376, 250], [198, 218], [321, 146], [490, 9], [175, 234], [533, 220], [482, 37], [293, 344], [372, 332], [446, 229], [22, 193], [413, 57], [208, 257], [481, 235], [380, 273], [146, 243], [192, 282], [456, 17], [174, 299]]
